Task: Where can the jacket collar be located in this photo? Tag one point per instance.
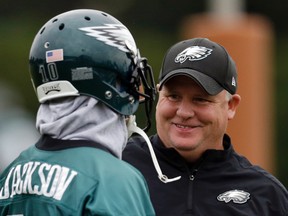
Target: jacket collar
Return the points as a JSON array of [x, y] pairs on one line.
[[210, 155]]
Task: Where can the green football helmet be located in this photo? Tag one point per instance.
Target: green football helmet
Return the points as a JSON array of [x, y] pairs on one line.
[[89, 52]]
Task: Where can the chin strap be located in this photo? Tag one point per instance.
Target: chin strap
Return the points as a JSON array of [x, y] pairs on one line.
[[132, 128]]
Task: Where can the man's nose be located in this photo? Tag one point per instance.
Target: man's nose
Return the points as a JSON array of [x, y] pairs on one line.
[[185, 110]]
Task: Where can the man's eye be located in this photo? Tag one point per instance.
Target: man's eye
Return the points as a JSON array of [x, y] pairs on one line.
[[201, 100], [173, 97]]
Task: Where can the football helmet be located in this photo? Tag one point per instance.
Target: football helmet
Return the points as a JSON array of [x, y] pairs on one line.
[[89, 52]]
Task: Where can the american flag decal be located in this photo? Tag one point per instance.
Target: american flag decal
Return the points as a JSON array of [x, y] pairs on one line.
[[54, 55]]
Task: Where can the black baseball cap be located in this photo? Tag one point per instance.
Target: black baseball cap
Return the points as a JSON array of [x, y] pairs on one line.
[[203, 60]]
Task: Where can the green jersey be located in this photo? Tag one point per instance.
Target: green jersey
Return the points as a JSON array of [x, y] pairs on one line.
[[72, 177]]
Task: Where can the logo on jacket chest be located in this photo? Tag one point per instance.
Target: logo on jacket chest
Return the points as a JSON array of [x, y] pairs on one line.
[[235, 196]]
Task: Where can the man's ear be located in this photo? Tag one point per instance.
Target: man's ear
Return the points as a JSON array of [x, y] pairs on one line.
[[232, 105], [157, 87]]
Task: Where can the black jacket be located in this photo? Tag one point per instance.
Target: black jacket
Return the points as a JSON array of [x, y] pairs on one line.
[[220, 183]]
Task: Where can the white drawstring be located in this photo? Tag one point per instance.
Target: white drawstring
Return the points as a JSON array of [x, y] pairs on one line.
[[132, 128]]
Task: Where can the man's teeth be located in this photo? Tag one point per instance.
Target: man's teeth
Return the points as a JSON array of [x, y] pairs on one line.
[[182, 126]]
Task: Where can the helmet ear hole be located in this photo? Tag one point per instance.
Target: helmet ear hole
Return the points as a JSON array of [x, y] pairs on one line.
[[47, 44]]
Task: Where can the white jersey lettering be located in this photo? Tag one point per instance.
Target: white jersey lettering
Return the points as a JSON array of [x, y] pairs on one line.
[[37, 178], [4, 191]]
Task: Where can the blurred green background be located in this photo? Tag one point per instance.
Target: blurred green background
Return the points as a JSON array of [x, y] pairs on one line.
[[155, 25]]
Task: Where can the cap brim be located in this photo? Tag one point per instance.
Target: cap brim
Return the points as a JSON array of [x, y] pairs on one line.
[[210, 85]]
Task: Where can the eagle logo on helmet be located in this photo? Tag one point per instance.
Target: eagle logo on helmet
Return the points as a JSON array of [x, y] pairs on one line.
[[236, 196], [193, 53], [115, 35]]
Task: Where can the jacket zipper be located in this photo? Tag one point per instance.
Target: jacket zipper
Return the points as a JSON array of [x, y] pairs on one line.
[[190, 190]]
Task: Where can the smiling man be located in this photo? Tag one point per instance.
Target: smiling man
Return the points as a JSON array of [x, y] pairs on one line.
[[197, 99], [191, 121]]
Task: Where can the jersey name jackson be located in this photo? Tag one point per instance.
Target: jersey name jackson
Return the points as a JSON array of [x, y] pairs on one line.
[[37, 178]]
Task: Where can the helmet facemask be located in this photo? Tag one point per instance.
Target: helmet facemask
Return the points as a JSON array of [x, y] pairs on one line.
[[145, 88]]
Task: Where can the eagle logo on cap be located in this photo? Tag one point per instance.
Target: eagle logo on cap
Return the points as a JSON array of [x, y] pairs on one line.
[[193, 53]]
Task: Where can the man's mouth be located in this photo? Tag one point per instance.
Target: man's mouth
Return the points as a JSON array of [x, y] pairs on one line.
[[183, 126]]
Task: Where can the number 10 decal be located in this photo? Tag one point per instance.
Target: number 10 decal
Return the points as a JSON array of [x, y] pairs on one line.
[[52, 73]]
